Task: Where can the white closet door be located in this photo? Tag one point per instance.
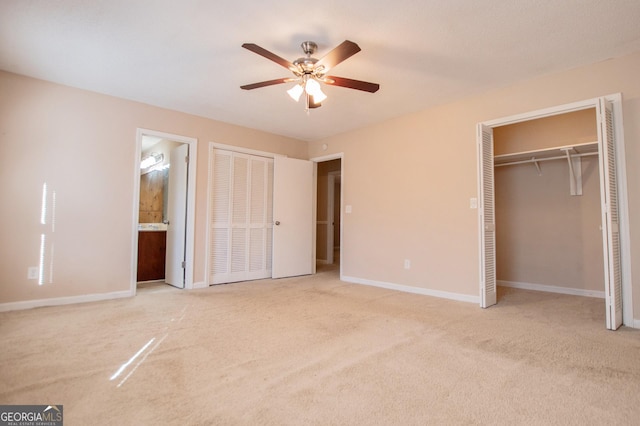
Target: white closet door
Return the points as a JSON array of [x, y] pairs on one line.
[[610, 226], [293, 194], [486, 214], [220, 208], [241, 225], [260, 225]]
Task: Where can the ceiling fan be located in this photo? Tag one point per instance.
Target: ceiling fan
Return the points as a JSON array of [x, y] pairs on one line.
[[310, 72]]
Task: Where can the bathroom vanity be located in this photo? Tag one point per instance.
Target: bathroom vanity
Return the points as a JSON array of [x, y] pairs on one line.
[[152, 245]]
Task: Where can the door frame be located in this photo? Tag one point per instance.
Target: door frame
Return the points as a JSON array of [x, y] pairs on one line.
[[191, 203], [621, 176], [336, 156]]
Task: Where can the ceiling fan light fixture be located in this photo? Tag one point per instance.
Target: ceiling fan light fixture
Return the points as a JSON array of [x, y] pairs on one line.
[[312, 87], [319, 97], [295, 92]]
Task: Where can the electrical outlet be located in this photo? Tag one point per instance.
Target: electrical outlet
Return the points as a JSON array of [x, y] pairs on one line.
[[33, 272], [407, 264]]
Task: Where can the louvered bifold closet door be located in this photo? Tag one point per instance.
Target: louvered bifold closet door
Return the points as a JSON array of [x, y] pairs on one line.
[[220, 208], [610, 220], [239, 208], [488, 290], [260, 224], [241, 224]]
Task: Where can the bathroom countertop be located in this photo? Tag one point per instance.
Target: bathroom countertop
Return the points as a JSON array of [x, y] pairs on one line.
[[152, 227]]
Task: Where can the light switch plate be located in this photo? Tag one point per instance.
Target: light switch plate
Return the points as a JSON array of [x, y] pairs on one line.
[[473, 203], [347, 209]]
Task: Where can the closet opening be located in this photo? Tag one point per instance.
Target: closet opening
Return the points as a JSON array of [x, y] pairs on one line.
[[553, 206], [547, 205]]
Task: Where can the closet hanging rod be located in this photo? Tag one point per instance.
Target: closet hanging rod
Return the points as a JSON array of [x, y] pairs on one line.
[[539, 160]]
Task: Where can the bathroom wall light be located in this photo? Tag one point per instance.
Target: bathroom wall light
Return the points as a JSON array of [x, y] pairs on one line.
[[151, 160]]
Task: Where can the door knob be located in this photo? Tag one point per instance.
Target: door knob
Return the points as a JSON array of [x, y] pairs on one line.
[[277, 222]]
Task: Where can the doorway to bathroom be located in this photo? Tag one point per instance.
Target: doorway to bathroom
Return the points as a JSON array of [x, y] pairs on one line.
[[164, 210]]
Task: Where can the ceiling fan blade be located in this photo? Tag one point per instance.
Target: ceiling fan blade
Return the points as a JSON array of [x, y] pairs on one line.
[[271, 56], [352, 84], [345, 50], [266, 83], [313, 103]]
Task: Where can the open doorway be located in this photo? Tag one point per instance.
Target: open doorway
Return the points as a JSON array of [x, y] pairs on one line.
[[328, 218], [164, 210]]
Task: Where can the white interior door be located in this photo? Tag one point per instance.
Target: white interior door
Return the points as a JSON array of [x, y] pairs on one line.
[[486, 214], [610, 219], [293, 209], [177, 216]]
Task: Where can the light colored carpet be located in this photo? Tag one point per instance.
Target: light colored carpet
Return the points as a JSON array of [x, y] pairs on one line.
[[314, 350]]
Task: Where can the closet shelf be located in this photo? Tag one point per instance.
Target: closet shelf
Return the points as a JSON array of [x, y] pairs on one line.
[[571, 153], [547, 153]]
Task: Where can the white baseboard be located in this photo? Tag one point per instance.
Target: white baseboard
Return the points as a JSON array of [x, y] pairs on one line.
[[552, 289], [322, 261], [54, 301], [200, 284], [416, 290]]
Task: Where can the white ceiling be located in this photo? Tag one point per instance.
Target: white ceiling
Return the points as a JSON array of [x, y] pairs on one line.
[[185, 55]]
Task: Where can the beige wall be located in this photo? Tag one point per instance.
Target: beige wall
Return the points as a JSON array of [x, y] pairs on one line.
[[572, 128], [83, 145], [416, 204], [544, 235]]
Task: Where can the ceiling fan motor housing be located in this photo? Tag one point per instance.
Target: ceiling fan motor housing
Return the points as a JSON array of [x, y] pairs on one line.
[[306, 65], [309, 47]]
